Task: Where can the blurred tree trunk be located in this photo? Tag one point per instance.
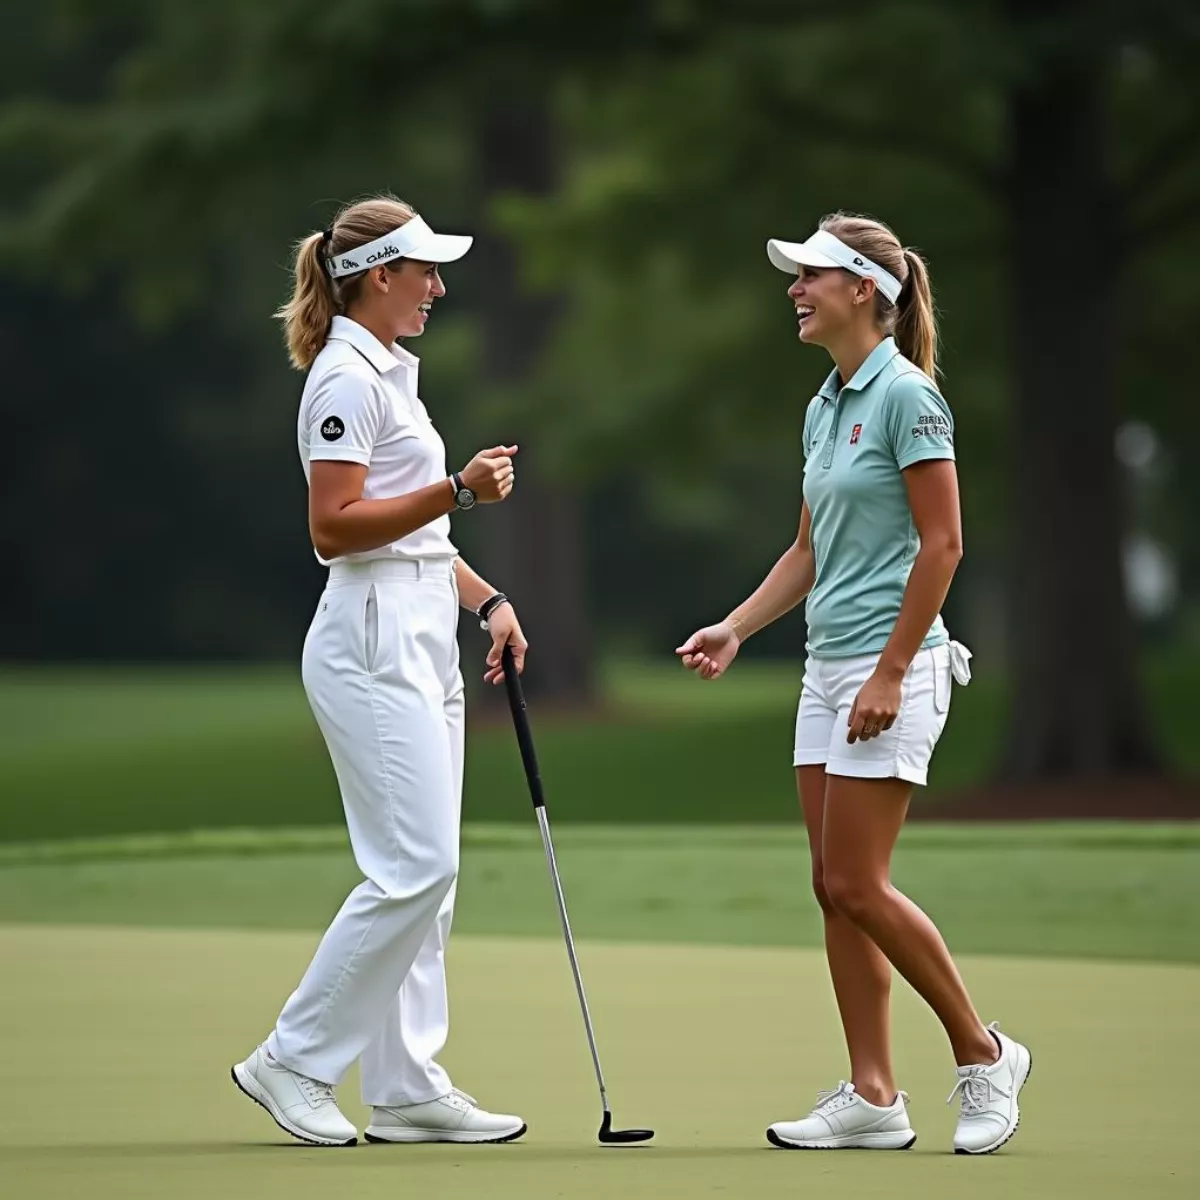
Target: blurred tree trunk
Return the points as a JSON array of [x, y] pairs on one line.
[[1077, 710], [534, 555]]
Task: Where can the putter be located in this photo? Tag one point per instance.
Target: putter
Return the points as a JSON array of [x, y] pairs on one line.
[[516, 700]]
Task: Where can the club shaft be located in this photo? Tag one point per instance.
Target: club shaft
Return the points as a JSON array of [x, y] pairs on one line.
[[544, 826]]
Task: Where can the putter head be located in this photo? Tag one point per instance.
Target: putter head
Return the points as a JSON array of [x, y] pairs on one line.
[[621, 1137]]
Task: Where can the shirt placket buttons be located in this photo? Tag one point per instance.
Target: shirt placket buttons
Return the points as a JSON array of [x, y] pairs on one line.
[[831, 441]]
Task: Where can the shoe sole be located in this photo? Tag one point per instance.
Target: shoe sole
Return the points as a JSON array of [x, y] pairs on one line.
[[249, 1087], [860, 1141], [1008, 1133], [412, 1136]]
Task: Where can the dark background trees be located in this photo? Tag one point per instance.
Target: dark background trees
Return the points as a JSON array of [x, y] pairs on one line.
[[622, 166]]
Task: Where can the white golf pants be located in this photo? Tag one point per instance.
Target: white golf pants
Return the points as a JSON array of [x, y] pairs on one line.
[[381, 672]]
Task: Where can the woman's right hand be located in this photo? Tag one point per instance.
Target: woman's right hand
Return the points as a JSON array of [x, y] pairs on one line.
[[709, 651], [490, 474]]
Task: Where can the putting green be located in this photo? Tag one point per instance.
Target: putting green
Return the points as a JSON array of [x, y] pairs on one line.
[[116, 1045]]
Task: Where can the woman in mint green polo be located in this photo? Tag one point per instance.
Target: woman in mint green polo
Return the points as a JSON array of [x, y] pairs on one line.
[[879, 541]]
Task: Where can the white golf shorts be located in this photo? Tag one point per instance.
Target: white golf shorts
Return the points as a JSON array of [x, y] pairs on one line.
[[902, 752]]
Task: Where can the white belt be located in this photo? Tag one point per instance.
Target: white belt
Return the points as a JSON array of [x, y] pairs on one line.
[[364, 571]]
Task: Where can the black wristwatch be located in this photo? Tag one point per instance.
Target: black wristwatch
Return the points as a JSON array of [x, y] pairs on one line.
[[463, 496]]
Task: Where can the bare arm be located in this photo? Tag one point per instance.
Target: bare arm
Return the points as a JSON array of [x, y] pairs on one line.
[[341, 522], [786, 584], [473, 589], [502, 622], [709, 651], [933, 498]]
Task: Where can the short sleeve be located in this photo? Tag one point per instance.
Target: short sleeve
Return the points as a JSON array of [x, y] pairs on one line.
[[919, 423], [807, 435], [343, 418]]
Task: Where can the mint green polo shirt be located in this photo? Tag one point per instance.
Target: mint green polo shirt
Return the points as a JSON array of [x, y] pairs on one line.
[[857, 440]]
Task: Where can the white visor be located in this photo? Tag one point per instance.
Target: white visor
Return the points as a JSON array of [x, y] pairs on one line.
[[414, 239], [825, 250]]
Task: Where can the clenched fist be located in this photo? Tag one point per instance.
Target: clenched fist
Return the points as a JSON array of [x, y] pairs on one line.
[[490, 474]]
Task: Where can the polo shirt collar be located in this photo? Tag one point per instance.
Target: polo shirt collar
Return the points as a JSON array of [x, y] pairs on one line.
[[369, 346], [871, 366]]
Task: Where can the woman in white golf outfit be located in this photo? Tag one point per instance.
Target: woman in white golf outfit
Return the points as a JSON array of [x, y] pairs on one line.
[[381, 670], [879, 541]]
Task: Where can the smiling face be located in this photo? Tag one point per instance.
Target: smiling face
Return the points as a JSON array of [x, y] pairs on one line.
[[828, 301], [394, 301], [410, 292]]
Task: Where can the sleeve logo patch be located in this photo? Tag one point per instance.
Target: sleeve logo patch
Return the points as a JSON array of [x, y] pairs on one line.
[[932, 426], [333, 429]]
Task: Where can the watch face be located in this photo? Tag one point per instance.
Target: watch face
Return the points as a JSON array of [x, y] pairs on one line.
[[465, 498]]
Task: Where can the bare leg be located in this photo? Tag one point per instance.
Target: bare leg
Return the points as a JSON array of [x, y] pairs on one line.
[[862, 975], [862, 822]]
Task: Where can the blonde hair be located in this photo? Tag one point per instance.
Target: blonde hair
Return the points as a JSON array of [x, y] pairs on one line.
[[316, 296], [913, 318]]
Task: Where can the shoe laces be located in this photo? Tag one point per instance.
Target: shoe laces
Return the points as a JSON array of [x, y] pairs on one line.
[[833, 1098], [459, 1099], [315, 1092], [977, 1089]]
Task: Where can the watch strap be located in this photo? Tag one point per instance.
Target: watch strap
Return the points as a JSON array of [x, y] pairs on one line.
[[490, 605]]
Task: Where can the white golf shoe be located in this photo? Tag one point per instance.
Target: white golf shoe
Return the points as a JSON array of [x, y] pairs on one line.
[[454, 1117], [843, 1120], [303, 1107], [988, 1112]]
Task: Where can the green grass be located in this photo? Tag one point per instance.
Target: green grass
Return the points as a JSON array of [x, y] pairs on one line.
[[139, 963], [137, 968], [116, 1047], [90, 753], [1117, 892]]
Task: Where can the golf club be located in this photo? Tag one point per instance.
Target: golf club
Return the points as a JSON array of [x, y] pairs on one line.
[[516, 700]]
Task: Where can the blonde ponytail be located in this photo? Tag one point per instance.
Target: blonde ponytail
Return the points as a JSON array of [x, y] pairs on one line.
[[308, 315], [916, 322], [912, 318], [316, 296]]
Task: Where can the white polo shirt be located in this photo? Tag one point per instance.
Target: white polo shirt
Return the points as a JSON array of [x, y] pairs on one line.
[[360, 405]]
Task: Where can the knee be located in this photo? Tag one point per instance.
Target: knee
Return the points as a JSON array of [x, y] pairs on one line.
[[853, 896], [442, 871], [820, 890], [436, 862], [428, 877]]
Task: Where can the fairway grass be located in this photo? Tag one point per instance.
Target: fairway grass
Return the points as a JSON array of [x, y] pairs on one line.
[[100, 752], [117, 1046], [1115, 892]]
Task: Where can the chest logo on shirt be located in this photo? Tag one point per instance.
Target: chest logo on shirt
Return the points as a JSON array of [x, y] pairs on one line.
[[855, 434], [333, 429]]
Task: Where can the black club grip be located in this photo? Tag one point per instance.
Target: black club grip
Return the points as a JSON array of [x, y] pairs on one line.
[[516, 701]]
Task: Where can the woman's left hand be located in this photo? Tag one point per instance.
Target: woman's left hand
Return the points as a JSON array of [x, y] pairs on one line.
[[875, 707], [506, 631]]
